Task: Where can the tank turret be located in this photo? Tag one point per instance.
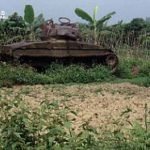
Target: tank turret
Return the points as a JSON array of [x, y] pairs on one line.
[[64, 30]]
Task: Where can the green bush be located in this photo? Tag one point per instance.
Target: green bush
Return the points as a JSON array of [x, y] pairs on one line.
[[78, 74], [57, 73], [54, 74], [126, 68], [20, 75], [12, 29]]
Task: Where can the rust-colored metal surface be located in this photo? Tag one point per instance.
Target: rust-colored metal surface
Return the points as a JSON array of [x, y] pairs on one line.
[[64, 30], [60, 43]]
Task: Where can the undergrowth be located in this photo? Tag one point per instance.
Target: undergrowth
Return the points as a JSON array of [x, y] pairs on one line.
[[43, 128], [47, 127], [56, 73], [130, 70], [135, 71]]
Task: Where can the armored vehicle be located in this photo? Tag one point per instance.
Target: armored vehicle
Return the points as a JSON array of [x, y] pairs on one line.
[[61, 43]]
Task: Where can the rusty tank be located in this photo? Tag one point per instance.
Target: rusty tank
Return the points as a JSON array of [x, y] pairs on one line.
[[61, 43]]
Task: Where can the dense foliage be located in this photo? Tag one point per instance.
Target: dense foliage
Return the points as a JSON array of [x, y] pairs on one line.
[[56, 73], [13, 29], [131, 70], [16, 28]]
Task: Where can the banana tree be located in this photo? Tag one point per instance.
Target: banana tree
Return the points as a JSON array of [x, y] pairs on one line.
[[29, 19], [29, 14], [32, 22], [94, 24]]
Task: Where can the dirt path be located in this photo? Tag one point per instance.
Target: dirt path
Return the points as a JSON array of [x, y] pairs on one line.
[[106, 106]]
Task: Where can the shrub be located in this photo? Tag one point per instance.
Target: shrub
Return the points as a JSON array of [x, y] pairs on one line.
[[132, 68], [78, 74], [54, 74]]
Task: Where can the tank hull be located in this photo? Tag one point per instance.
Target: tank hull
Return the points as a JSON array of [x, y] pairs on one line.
[[64, 51]]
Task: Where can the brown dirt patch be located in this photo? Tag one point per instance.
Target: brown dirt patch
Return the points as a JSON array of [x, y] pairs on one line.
[[106, 106]]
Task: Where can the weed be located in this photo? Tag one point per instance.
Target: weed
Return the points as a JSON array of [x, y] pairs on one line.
[[130, 70], [54, 74], [48, 127]]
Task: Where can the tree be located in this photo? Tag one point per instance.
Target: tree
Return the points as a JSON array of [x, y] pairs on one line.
[[96, 25], [137, 24], [12, 29]]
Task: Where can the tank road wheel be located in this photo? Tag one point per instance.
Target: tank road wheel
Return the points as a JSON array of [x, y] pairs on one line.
[[111, 61]]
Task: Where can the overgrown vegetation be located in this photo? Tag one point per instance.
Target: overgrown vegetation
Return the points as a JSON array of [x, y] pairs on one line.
[[56, 73], [134, 35], [16, 28], [131, 70], [48, 127], [13, 29]]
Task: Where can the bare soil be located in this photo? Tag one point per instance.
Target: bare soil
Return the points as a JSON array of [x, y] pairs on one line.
[[106, 106]]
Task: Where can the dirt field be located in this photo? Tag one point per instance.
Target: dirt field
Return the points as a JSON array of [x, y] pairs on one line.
[[106, 106]]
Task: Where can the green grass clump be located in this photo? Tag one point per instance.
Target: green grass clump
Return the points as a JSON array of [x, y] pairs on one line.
[[141, 81], [77, 74], [56, 73], [130, 70], [10, 75], [134, 71]]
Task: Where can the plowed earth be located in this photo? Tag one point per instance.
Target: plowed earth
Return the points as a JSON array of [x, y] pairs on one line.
[[106, 106]]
